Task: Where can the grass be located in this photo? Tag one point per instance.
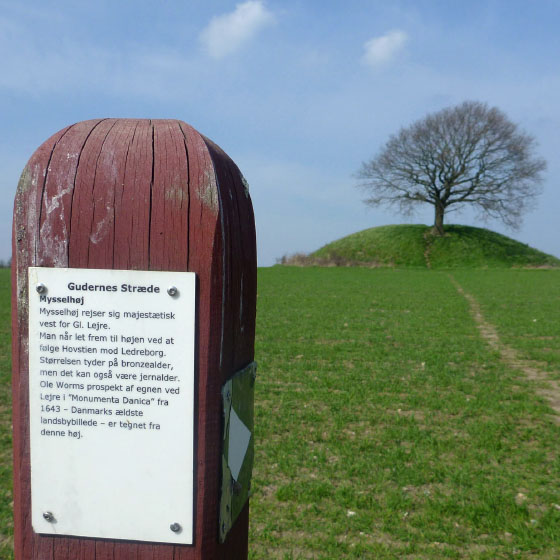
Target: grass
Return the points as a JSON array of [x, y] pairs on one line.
[[525, 318], [385, 245], [6, 504], [415, 246], [385, 426]]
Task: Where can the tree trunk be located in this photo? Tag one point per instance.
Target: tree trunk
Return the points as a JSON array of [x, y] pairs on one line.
[[438, 223]]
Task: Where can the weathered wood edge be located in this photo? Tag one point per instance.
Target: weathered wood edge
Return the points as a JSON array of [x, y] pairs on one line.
[[29, 246]]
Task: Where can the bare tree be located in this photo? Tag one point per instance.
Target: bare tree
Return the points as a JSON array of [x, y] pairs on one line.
[[468, 154]]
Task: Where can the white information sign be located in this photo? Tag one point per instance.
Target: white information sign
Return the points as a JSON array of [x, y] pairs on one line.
[[111, 387]]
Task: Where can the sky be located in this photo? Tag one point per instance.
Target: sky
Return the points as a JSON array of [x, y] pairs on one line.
[[298, 92]]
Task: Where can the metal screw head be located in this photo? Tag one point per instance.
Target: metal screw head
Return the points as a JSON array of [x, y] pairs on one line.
[[41, 288], [172, 291], [175, 527], [48, 516]]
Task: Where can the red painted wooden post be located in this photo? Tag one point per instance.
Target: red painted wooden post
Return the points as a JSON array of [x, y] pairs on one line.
[[140, 195]]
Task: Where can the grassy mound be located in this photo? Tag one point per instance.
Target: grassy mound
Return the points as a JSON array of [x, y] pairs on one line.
[[415, 246]]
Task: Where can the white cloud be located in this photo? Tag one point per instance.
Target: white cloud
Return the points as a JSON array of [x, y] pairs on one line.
[[381, 50], [228, 32]]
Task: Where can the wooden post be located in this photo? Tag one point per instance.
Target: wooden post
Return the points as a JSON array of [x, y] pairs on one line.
[[151, 195]]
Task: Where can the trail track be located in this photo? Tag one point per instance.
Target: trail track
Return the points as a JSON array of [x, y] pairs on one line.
[[428, 238], [547, 388]]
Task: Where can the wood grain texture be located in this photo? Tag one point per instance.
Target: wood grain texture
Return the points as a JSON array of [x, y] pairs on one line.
[[140, 195]]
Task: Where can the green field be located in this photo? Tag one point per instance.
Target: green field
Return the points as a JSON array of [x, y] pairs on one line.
[[386, 426], [6, 521], [415, 246]]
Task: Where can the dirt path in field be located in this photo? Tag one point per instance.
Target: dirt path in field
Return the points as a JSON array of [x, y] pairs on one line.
[[428, 238], [548, 388]]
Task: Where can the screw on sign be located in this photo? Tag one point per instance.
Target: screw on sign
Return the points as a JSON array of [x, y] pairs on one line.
[[99, 369]]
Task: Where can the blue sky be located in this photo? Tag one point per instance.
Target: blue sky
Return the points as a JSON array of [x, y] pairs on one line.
[[297, 92]]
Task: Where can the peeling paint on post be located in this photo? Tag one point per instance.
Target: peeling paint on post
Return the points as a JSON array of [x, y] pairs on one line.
[[147, 195]]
